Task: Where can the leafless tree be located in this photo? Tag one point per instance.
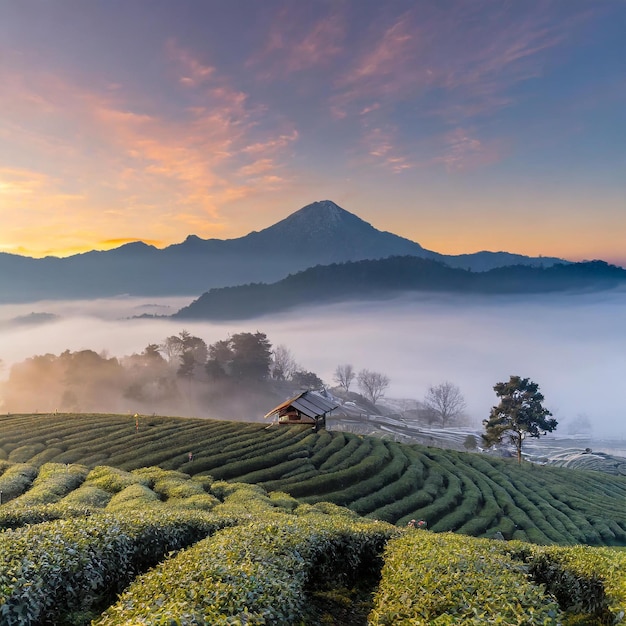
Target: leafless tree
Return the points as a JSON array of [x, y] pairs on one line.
[[445, 401], [283, 364], [372, 384], [343, 376]]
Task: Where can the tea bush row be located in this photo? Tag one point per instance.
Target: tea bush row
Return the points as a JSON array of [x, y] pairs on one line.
[[259, 573], [444, 578], [54, 568]]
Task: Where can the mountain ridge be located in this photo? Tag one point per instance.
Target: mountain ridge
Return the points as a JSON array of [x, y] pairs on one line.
[[319, 233]]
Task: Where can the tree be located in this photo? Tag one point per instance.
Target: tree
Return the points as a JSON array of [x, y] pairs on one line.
[[244, 355], [220, 357], [445, 401], [343, 376], [252, 355], [307, 380], [470, 442], [372, 384], [520, 414], [284, 363]]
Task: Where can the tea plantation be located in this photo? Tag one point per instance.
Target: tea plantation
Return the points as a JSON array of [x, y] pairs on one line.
[[106, 519]]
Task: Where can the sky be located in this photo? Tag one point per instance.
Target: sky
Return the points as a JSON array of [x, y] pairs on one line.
[[464, 126]]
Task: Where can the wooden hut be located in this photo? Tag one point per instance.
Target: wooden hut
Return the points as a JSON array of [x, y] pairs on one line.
[[307, 407]]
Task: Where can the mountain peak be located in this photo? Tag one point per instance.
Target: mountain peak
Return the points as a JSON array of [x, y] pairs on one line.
[[327, 208], [323, 232], [319, 218]]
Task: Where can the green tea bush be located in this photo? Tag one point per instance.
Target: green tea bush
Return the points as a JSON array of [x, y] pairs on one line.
[[47, 455], [112, 479], [53, 482], [255, 574], [355, 446], [133, 497], [326, 483], [338, 441], [444, 578], [378, 481], [16, 480], [268, 474], [169, 484], [52, 569], [15, 517], [406, 484], [21, 454], [88, 496], [283, 500], [261, 461]]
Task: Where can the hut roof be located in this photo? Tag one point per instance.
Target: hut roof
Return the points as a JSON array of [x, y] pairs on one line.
[[309, 403]]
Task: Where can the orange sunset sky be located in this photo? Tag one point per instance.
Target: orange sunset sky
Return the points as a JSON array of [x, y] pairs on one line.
[[464, 126]]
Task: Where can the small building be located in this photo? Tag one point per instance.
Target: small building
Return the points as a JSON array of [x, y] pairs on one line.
[[307, 407]]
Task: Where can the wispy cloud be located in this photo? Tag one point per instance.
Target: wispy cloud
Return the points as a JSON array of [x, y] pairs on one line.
[[460, 51], [384, 148], [132, 156], [444, 70], [194, 72], [294, 44], [462, 150]]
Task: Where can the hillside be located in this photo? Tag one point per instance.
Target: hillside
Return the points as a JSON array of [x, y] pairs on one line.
[[137, 540], [454, 491], [317, 234], [385, 278]]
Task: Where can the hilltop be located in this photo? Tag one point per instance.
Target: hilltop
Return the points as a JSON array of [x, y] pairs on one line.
[[387, 278], [468, 493]]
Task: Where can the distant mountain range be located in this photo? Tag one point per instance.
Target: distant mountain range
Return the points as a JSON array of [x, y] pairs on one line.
[[385, 278], [321, 233]]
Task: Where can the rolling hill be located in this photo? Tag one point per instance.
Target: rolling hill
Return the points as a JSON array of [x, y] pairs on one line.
[[386, 278], [108, 521], [454, 491]]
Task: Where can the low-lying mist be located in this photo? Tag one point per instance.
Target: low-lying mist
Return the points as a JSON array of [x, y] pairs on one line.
[[573, 346]]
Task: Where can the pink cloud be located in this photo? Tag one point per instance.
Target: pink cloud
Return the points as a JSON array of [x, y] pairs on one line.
[[122, 157], [462, 150], [383, 147], [193, 71], [470, 56], [292, 48]]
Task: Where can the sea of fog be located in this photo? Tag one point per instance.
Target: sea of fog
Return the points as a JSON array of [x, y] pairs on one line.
[[573, 346]]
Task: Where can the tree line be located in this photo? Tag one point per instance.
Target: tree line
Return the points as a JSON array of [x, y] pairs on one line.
[[155, 380]]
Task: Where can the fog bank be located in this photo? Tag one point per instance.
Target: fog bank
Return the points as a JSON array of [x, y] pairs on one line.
[[573, 346]]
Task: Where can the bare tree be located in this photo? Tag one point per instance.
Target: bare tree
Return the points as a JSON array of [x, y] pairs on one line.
[[344, 375], [372, 384], [283, 364], [445, 401]]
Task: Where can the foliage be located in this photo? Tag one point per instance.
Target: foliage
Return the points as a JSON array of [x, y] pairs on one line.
[[473, 494], [242, 356], [519, 414], [470, 442], [253, 574], [307, 380], [447, 579], [75, 564], [261, 556]]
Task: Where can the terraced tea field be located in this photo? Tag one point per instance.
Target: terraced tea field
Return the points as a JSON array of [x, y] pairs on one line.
[[453, 491], [109, 547]]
